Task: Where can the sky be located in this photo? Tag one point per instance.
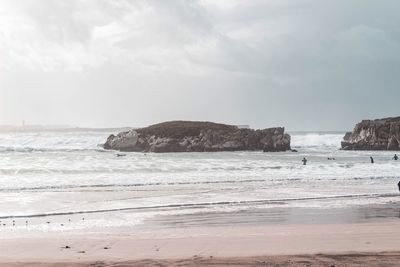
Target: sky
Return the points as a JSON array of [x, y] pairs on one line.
[[304, 65]]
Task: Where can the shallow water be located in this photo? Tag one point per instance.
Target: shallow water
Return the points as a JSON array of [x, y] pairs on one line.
[[66, 173]]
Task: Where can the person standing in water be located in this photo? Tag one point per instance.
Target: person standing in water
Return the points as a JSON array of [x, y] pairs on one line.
[[399, 185], [304, 160], [395, 157], [372, 159]]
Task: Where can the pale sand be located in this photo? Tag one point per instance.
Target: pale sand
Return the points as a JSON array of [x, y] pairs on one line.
[[216, 246]]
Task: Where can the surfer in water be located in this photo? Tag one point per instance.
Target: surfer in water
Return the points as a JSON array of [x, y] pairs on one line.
[[304, 160], [395, 157], [398, 185], [372, 159]]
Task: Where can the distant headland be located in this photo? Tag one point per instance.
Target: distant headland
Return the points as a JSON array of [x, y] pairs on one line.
[[379, 134]]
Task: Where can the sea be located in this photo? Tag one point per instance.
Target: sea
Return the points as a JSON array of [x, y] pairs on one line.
[[63, 180]]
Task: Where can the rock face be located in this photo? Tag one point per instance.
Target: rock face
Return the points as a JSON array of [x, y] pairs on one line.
[[380, 134], [190, 136]]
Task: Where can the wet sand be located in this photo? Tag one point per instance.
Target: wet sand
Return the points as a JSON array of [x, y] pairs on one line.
[[366, 235], [349, 260], [350, 244]]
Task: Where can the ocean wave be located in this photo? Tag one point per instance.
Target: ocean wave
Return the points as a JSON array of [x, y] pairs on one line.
[[48, 149], [124, 187], [316, 140], [198, 205], [131, 169], [68, 187], [51, 141]]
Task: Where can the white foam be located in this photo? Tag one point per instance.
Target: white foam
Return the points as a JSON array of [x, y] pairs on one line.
[[316, 140], [65, 171]]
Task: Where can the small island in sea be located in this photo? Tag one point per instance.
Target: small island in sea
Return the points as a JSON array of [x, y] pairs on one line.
[[197, 136]]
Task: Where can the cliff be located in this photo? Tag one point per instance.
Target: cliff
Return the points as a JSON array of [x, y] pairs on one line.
[[380, 134], [191, 136]]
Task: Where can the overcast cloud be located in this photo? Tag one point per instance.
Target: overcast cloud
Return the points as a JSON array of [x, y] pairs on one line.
[[306, 65]]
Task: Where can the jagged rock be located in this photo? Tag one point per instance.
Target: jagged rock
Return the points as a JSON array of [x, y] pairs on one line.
[[190, 136], [347, 136], [380, 134]]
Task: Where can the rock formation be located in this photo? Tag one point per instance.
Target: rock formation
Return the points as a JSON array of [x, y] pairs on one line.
[[190, 136], [380, 134]]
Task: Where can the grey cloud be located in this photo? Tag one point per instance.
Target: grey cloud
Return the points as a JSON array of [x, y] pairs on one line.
[[249, 62]]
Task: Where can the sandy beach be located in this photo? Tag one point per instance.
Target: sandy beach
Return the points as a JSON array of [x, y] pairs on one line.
[[274, 245]]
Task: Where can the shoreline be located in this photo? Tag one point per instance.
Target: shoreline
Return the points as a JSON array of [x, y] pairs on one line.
[[113, 222], [224, 243]]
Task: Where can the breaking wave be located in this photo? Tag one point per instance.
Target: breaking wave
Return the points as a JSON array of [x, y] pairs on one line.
[[198, 205], [317, 140]]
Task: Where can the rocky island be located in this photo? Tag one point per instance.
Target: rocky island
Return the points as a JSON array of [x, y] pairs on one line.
[[195, 136], [380, 134]]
